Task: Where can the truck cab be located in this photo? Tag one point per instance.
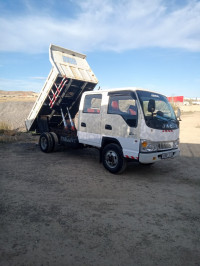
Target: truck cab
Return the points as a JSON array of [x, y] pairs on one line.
[[128, 124]]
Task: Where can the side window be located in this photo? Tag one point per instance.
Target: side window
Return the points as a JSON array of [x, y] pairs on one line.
[[126, 106], [92, 103]]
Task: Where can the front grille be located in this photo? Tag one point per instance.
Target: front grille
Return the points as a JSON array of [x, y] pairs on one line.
[[165, 146]]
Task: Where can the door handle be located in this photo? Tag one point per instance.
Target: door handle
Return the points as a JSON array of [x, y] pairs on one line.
[[83, 124], [109, 127]]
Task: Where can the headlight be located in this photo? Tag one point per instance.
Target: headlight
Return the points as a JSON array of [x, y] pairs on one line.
[[176, 143], [148, 146]]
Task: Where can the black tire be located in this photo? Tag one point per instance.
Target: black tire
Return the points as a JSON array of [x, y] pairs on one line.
[[46, 142], [55, 141], [113, 159]]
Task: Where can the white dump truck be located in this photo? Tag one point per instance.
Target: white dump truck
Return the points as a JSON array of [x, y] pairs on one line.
[[126, 124]]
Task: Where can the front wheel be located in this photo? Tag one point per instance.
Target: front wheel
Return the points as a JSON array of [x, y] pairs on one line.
[[113, 159]]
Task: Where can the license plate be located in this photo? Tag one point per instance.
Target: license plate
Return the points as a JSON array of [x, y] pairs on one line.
[[167, 155]]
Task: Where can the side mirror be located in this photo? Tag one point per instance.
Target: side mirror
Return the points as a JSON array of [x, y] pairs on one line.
[[178, 114], [151, 106]]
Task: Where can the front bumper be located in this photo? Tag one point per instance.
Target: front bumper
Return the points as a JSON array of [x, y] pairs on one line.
[[157, 156]]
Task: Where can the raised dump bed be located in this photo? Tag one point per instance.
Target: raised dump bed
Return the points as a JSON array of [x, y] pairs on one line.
[[69, 77]]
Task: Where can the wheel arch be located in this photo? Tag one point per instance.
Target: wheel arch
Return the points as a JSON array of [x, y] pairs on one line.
[[109, 140], [106, 141]]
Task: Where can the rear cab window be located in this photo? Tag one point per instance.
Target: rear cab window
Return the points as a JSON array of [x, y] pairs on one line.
[[92, 104]]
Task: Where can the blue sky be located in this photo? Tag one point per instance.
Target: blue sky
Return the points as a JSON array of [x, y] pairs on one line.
[[151, 44]]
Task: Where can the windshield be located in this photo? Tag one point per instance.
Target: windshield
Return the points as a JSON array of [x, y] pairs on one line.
[[158, 112]]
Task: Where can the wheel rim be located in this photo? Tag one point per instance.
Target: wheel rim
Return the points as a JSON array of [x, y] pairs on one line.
[[111, 159], [43, 143]]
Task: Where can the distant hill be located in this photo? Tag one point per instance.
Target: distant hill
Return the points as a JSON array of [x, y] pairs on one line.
[[16, 96]]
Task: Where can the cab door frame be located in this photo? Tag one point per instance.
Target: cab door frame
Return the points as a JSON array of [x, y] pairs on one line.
[[89, 129]]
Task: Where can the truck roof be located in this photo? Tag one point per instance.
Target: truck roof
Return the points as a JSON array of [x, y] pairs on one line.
[[122, 89]]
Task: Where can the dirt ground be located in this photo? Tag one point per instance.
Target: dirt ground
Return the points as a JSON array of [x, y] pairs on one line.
[[64, 208]]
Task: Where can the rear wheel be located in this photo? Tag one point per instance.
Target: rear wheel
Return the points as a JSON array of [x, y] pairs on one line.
[[113, 159], [46, 142], [55, 141]]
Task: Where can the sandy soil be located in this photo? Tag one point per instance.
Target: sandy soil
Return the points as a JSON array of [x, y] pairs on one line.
[[15, 107], [190, 127], [64, 208]]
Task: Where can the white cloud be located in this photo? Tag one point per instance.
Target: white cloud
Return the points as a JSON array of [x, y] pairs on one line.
[[107, 25], [38, 78]]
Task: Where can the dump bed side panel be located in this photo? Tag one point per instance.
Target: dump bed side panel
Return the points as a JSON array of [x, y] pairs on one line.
[[41, 99], [69, 78]]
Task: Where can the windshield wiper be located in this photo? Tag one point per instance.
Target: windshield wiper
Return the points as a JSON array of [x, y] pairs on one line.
[[172, 119], [161, 117]]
